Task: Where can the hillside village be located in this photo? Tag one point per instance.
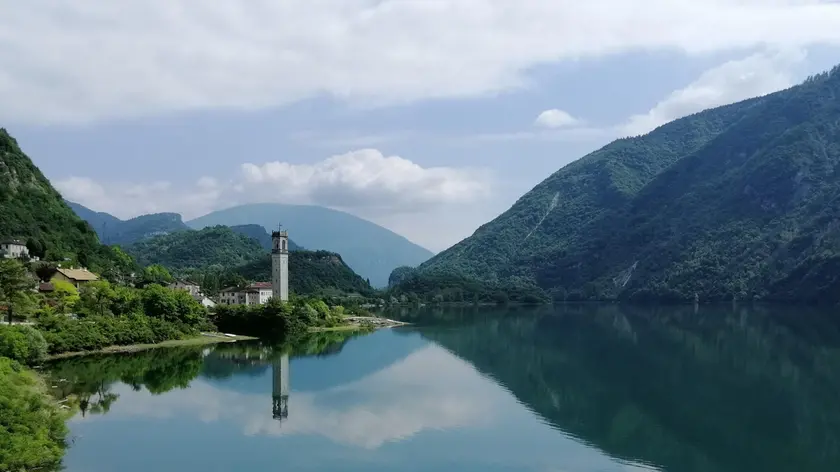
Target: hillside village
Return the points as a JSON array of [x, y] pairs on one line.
[[251, 294]]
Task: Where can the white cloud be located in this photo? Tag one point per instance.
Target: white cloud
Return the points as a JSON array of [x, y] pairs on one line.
[[92, 59], [555, 118], [367, 178], [730, 82], [365, 182]]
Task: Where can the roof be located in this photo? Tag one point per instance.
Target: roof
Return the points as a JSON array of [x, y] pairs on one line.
[[13, 241], [230, 289], [46, 287], [260, 285], [81, 275], [185, 282]]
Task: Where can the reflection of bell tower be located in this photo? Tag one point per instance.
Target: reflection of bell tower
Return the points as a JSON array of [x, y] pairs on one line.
[[280, 392]]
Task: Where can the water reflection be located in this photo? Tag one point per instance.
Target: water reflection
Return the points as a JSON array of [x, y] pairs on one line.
[[575, 388]]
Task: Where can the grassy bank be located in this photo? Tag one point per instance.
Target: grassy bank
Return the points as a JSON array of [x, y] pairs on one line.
[[210, 338]]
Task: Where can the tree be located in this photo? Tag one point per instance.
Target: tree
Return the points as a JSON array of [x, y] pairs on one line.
[[66, 295], [15, 282], [156, 274], [96, 297], [36, 248]]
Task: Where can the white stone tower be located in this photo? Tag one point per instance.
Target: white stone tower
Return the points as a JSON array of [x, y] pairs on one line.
[[280, 265]]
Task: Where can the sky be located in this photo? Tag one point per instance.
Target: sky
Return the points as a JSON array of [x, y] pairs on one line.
[[428, 117]]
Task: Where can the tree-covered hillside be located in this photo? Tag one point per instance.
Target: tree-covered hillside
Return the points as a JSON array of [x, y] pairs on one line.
[[738, 201], [195, 249], [220, 256], [112, 230], [311, 272], [32, 210]]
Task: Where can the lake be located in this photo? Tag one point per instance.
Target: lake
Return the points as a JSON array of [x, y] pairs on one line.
[[561, 389]]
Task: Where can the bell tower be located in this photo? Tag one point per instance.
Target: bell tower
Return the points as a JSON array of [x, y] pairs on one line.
[[280, 265]]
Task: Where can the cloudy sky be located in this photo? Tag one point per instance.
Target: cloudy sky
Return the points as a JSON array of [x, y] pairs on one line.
[[429, 117]]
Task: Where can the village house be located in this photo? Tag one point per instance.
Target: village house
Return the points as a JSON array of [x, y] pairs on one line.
[[13, 249], [77, 277], [194, 290], [255, 294]]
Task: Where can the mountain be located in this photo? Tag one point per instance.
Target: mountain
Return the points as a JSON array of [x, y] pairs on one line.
[[261, 235], [372, 251], [112, 230], [219, 256], [740, 201], [192, 249], [32, 210]]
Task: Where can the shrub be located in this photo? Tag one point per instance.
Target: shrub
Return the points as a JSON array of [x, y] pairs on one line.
[[32, 431], [24, 344]]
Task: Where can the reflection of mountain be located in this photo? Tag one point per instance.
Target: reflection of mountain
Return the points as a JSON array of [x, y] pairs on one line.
[[711, 391]]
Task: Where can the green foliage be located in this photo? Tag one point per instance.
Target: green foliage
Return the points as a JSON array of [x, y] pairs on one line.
[[24, 344], [32, 431], [30, 208], [219, 257], [311, 273], [157, 274], [276, 319], [197, 249], [739, 202], [15, 284], [117, 315]]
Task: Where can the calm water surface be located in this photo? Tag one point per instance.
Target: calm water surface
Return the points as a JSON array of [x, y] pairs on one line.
[[576, 388]]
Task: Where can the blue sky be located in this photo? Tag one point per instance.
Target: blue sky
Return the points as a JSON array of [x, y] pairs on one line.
[[427, 117]]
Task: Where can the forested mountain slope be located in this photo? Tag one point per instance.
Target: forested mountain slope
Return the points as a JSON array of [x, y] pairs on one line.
[[738, 201], [32, 210], [220, 256]]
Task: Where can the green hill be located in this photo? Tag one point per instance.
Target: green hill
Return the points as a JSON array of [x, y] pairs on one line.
[[220, 256], [311, 272], [371, 250], [738, 201], [112, 230], [32, 210], [196, 249]]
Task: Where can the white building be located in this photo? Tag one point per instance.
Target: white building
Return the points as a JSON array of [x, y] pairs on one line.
[[280, 265], [13, 249], [193, 288], [255, 294]]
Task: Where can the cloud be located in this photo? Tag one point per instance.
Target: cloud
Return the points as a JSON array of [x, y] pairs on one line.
[[369, 178], [555, 118], [364, 182], [84, 60], [730, 82]]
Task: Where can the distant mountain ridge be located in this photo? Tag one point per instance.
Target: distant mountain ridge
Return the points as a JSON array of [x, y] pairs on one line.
[[370, 250], [736, 202], [112, 230]]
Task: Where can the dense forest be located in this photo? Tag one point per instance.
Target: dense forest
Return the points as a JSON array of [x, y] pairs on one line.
[[33, 211], [739, 201], [219, 256]]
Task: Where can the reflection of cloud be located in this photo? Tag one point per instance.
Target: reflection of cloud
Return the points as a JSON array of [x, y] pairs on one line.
[[430, 389]]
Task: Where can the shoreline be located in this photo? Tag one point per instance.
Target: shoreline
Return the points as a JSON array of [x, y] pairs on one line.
[[355, 323], [201, 340]]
